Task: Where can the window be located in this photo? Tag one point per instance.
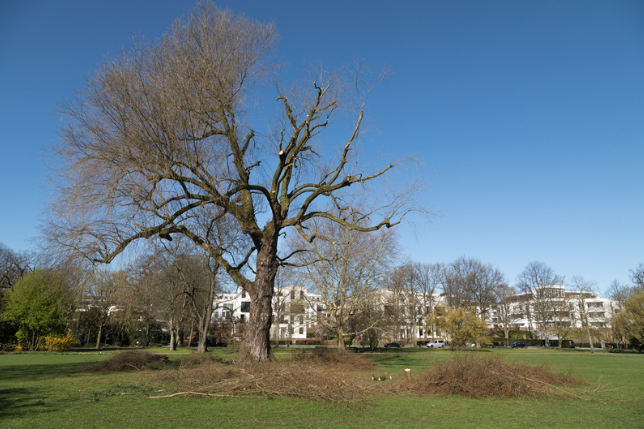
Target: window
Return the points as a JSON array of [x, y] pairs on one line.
[[301, 294], [301, 331], [242, 318], [292, 294], [243, 293], [245, 307]]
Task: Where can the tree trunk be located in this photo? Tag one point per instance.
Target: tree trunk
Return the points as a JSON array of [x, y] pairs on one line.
[[173, 341], [341, 348], [98, 337], [206, 316], [256, 343], [590, 339]]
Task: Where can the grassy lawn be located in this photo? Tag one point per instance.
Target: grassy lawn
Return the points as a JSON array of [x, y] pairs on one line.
[[51, 390]]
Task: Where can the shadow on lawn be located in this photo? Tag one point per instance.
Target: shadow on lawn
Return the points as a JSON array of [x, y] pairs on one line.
[[19, 401], [31, 372]]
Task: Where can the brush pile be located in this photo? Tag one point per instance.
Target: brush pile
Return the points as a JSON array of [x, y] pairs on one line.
[[326, 377], [128, 361], [490, 377]]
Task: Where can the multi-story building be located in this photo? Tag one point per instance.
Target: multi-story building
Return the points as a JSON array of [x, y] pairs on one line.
[[547, 309], [295, 311], [544, 311]]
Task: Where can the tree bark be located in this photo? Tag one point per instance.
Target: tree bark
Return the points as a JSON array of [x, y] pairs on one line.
[[98, 337], [173, 341], [256, 343], [341, 348]]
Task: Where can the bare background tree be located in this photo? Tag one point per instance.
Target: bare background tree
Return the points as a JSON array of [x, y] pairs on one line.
[[162, 134], [429, 278], [504, 309], [583, 291], [536, 281], [347, 271], [471, 284]]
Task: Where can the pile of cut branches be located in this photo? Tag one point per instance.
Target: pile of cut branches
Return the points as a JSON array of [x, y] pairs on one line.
[[326, 377], [128, 361], [477, 377]]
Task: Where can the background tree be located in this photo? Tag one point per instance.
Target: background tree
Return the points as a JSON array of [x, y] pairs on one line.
[[505, 309], [637, 276], [104, 296], [394, 302], [628, 316], [13, 265], [38, 305], [471, 284], [346, 271], [405, 278], [428, 279], [464, 326], [583, 291], [537, 281], [162, 134], [630, 321], [619, 294]]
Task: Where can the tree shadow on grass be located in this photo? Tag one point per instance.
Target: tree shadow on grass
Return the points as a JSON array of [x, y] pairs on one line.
[[35, 372], [19, 401]]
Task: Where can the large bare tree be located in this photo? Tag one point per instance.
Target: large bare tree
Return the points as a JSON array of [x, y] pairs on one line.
[[163, 133]]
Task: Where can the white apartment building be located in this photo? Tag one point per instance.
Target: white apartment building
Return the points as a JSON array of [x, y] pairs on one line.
[[296, 312], [557, 308]]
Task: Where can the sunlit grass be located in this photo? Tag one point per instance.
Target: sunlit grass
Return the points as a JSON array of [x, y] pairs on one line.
[[51, 390]]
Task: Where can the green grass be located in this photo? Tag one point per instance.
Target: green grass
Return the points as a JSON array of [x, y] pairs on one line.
[[51, 391]]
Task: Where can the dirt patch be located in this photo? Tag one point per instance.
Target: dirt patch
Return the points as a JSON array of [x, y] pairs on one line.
[[128, 361], [491, 376]]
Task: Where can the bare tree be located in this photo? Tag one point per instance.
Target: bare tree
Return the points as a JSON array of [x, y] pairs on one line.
[[13, 265], [583, 291], [543, 289], [469, 283], [505, 309], [637, 276], [103, 297], [428, 278], [347, 272], [406, 279], [163, 133]]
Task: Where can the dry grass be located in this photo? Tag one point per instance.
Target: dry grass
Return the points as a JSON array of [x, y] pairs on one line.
[[128, 361], [479, 377]]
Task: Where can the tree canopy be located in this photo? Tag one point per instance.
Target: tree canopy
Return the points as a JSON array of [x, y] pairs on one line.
[[161, 139], [38, 305]]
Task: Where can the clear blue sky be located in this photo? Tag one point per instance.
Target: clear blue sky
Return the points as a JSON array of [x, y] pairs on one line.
[[528, 114]]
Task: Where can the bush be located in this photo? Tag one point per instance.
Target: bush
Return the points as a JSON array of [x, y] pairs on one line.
[[58, 343]]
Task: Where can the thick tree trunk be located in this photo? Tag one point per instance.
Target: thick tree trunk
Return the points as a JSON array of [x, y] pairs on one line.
[[340, 342], [256, 343]]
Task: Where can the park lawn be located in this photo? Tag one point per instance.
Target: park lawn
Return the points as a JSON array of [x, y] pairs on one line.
[[50, 390]]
